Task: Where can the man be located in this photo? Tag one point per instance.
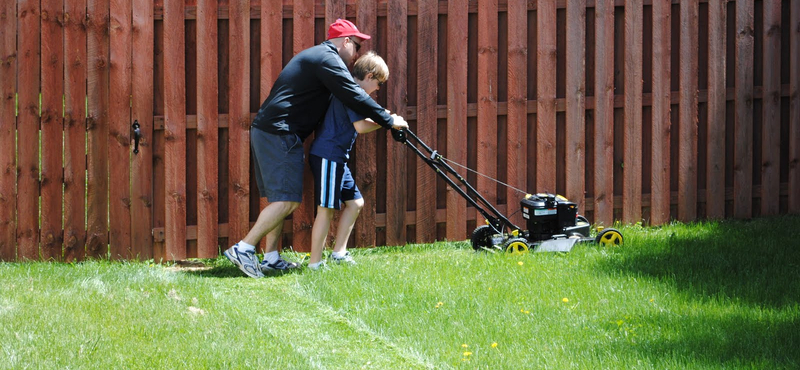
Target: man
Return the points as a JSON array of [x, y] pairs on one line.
[[294, 108]]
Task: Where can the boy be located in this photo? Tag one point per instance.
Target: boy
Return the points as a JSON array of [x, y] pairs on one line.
[[333, 182]]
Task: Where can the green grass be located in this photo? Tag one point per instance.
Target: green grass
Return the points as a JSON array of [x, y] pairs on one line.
[[720, 295]]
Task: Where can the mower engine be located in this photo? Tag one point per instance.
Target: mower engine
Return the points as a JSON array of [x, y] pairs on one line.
[[551, 216]]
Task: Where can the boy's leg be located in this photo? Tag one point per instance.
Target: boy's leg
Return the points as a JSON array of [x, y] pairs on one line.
[[319, 233], [346, 221], [327, 197], [353, 203]]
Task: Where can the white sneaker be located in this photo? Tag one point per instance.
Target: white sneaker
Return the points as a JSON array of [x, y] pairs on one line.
[[348, 259], [322, 265], [244, 260]]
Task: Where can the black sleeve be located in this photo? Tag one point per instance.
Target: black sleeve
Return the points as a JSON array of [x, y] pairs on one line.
[[335, 76]]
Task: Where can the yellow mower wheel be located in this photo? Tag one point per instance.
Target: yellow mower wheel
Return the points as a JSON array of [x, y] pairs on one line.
[[516, 246], [609, 238]]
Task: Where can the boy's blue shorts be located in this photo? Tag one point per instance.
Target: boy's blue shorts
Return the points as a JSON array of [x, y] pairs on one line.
[[333, 183]]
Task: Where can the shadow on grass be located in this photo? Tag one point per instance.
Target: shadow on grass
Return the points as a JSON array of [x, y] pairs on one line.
[[757, 262], [229, 271], [730, 341], [753, 264]]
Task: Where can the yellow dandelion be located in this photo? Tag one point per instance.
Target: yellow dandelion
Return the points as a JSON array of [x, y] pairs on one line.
[[464, 345], [527, 312], [520, 263], [522, 310], [494, 345], [565, 300], [651, 299], [467, 353]]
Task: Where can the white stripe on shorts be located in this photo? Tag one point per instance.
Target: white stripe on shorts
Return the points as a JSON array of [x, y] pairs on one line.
[[328, 183]]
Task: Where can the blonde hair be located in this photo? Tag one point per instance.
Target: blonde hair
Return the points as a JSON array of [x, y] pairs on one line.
[[371, 63]]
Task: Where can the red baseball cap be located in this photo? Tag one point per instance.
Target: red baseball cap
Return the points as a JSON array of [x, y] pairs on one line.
[[344, 28]]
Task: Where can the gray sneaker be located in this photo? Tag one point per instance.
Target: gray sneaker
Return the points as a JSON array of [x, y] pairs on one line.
[[280, 265], [348, 259], [322, 266], [244, 260]]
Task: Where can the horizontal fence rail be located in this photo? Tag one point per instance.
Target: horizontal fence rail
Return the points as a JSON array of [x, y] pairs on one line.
[[124, 125]]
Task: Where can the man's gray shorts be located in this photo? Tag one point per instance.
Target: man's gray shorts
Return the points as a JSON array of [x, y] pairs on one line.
[[278, 162]]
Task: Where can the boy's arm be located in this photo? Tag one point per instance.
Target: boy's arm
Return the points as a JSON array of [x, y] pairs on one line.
[[366, 125], [335, 76]]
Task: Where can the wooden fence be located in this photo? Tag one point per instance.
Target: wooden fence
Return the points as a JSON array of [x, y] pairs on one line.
[[638, 110]]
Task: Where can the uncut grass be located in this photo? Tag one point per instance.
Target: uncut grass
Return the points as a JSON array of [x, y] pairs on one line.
[[713, 295]]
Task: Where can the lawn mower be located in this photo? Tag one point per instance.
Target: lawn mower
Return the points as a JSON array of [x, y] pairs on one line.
[[553, 222]]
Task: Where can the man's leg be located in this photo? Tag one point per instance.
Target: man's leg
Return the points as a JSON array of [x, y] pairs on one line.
[[273, 238], [322, 224], [278, 162], [270, 219]]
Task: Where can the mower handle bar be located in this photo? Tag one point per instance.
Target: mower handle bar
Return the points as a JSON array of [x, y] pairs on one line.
[[494, 218]]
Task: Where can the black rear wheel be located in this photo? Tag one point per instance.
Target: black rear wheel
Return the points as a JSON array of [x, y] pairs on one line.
[[482, 238]]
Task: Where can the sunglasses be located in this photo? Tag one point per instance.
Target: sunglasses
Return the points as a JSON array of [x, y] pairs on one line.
[[358, 46]]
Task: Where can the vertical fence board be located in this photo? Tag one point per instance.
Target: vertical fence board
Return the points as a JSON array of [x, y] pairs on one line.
[[546, 99], [190, 161], [457, 38], [687, 162], [604, 115], [174, 131], [159, 182], [75, 130], [427, 50], [794, 108], [715, 134], [207, 130], [397, 34], [576, 102], [142, 86], [97, 128], [660, 184], [52, 126], [28, 131], [487, 101], [303, 217], [366, 170], [632, 142], [335, 9], [238, 119], [8, 174], [771, 109], [743, 136], [119, 128], [271, 47], [517, 133]]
